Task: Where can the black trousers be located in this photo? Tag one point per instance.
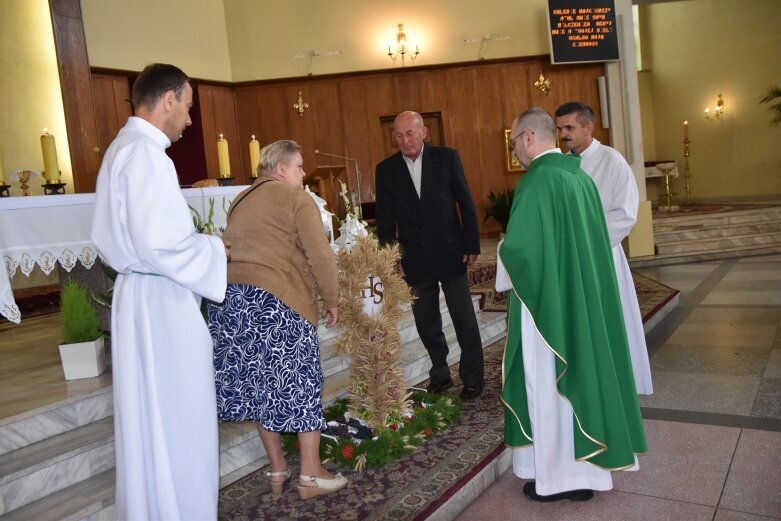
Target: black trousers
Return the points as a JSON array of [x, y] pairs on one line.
[[428, 321]]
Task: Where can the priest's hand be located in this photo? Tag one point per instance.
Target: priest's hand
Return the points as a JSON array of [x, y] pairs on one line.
[[469, 259], [333, 317]]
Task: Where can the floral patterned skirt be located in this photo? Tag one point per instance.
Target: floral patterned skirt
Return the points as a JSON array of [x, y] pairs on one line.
[[266, 361]]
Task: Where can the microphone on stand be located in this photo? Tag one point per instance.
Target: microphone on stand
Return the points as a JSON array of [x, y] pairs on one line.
[[357, 177]]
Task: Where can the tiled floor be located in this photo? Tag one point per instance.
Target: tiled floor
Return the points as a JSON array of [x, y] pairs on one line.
[[714, 421]]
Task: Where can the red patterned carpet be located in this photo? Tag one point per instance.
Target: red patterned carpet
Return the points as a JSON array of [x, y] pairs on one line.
[[414, 486]]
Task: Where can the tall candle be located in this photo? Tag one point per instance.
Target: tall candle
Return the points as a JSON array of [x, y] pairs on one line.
[[685, 130], [50, 165], [2, 171], [254, 156], [223, 158]]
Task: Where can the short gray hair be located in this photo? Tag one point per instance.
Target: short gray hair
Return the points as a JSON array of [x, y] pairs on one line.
[[277, 152], [540, 122]]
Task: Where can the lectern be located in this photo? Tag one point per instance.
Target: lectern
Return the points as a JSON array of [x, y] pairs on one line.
[[324, 181]]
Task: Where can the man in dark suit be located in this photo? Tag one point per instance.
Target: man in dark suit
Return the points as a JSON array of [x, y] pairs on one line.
[[420, 191]]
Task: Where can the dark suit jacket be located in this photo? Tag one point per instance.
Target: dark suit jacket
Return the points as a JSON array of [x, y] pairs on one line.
[[432, 237]]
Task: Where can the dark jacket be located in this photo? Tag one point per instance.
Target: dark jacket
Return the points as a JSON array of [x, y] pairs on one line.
[[433, 238]]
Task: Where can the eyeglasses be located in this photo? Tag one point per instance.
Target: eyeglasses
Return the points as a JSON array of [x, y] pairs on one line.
[[512, 140]]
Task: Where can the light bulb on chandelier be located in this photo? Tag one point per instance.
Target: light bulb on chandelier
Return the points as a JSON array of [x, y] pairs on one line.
[[402, 50]]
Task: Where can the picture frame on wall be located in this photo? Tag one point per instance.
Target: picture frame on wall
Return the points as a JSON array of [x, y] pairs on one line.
[[511, 162]]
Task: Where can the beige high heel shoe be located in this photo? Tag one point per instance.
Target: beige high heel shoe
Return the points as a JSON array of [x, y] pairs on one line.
[[320, 486], [278, 486]]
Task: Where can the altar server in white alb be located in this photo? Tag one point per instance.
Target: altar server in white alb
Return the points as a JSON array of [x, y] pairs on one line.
[[165, 412], [618, 190]]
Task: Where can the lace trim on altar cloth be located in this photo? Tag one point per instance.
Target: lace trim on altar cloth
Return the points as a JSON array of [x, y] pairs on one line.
[[11, 312], [47, 259]]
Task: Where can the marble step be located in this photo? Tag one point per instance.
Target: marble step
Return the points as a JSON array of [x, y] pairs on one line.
[[717, 244], [33, 472], [240, 450], [708, 232], [37, 425], [91, 499], [727, 253], [687, 221]]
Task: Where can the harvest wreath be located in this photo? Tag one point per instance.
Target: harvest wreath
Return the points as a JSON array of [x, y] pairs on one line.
[[348, 442]]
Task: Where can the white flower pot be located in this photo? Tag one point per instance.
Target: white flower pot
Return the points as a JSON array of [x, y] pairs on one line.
[[83, 360]]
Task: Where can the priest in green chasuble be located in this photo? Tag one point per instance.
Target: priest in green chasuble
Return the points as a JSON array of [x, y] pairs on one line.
[[571, 410]]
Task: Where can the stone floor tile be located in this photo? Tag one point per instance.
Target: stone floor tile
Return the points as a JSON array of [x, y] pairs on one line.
[[773, 368], [749, 273], [702, 392], [759, 259], [768, 401], [685, 462], [737, 361], [736, 316], [754, 481], [723, 334], [504, 500], [743, 298], [757, 282], [723, 514]]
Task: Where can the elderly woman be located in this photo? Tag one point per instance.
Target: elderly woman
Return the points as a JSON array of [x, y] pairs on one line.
[[266, 355]]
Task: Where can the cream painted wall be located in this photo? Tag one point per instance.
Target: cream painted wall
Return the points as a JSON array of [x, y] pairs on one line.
[[696, 50], [263, 44], [30, 97], [130, 35]]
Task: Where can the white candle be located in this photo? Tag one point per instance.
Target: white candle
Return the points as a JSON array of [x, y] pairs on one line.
[[685, 130], [2, 171], [50, 165], [223, 157], [254, 156]]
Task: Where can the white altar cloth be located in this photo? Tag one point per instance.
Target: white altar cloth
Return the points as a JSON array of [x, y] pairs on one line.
[[49, 229]]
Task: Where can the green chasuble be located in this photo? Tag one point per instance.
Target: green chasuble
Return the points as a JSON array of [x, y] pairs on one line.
[[557, 254]]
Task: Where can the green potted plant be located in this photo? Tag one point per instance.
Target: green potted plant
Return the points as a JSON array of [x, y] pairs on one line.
[[82, 352], [501, 204]]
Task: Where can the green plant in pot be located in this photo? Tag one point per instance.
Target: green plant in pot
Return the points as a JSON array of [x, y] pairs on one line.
[[82, 352], [501, 204]]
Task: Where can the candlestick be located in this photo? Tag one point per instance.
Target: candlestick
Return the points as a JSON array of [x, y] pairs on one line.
[[50, 165], [254, 156], [223, 157]]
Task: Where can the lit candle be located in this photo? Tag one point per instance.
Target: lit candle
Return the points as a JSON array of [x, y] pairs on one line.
[[254, 156], [223, 158], [50, 165], [2, 170], [685, 130]]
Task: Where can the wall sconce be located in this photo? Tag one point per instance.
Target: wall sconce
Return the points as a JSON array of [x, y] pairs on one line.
[[401, 48], [718, 110]]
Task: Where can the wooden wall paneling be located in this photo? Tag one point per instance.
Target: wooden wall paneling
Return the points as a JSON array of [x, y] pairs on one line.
[[559, 85], [406, 91], [589, 92], [516, 97], [76, 89], [462, 115], [489, 125], [327, 117], [218, 116], [208, 131], [110, 95], [303, 127], [274, 113], [433, 97], [248, 118], [356, 134], [378, 93]]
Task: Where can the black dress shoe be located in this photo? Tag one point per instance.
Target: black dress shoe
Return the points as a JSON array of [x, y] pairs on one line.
[[470, 393], [439, 388], [573, 495]]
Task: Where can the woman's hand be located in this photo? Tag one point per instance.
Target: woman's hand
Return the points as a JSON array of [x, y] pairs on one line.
[[333, 317]]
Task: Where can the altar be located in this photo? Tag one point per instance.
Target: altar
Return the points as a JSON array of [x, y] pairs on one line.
[[45, 231]]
